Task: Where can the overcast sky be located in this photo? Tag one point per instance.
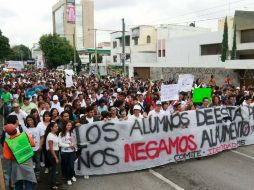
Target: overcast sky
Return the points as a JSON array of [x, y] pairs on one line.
[[25, 21]]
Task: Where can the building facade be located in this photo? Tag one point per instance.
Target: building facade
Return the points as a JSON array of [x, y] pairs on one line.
[[75, 21]]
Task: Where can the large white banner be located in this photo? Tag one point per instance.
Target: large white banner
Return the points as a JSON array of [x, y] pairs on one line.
[[185, 82], [134, 145], [169, 92]]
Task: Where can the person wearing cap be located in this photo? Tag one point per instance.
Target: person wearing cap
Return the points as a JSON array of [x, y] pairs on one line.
[[18, 149], [177, 106], [56, 104], [113, 114], [157, 111], [136, 113], [28, 106], [11, 119]]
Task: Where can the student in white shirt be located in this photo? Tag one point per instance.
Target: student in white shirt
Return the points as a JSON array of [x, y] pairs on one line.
[[136, 113], [37, 135], [67, 140], [52, 147]]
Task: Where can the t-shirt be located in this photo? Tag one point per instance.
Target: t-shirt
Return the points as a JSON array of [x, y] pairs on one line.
[[36, 134], [42, 127], [65, 142], [54, 138], [6, 97], [29, 107]]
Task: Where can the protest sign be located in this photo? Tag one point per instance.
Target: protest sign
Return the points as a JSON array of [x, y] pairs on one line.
[[185, 82], [200, 93], [68, 77], [169, 92], [134, 145]]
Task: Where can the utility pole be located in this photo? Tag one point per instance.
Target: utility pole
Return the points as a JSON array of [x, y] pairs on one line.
[[123, 48], [95, 50], [74, 50]]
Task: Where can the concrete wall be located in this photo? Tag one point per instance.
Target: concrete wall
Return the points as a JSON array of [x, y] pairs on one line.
[[203, 73]]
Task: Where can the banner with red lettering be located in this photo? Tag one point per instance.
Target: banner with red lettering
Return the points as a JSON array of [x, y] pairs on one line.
[[139, 144]]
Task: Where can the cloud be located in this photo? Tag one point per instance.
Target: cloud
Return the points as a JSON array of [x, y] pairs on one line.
[[7, 13], [110, 4]]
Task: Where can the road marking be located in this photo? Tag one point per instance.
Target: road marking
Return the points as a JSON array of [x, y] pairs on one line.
[[242, 154], [161, 177]]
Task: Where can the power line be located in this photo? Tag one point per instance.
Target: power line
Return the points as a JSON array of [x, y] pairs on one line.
[[198, 11], [207, 9]]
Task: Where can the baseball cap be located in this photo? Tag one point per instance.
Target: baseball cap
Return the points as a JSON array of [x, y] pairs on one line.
[[55, 97], [176, 103], [137, 107], [10, 129], [158, 102], [119, 90]]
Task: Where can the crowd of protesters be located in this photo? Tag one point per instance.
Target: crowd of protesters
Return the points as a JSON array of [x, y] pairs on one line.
[[49, 114]]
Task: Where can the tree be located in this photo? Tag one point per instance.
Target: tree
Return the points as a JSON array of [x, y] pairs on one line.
[[233, 52], [57, 50], [20, 53], [4, 47], [224, 48]]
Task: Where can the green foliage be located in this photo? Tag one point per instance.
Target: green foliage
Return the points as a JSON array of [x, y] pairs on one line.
[[233, 52], [20, 53], [5, 49], [224, 47], [99, 58], [57, 50]]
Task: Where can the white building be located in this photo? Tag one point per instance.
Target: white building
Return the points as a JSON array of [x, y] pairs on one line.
[[116, 45]]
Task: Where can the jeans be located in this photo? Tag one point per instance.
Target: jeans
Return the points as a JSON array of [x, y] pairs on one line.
[[53, 166], [36, 160], [67, 163], [23, 185], [8, 174]]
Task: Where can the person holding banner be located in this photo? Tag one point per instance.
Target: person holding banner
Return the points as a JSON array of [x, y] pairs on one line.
[[136, 113], [156, 112], [67, 141], [18, 149]]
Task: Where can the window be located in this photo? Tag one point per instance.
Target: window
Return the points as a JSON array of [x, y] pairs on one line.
[[128, 56], [159, 53], [114, 44], [135, 41], [115, 58], [210, 49], [163, 53], [161, 48], [127, 41], [247, 36], [148, 39]]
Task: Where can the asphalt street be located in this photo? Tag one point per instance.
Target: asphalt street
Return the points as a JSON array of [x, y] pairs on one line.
[[230, 170]]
